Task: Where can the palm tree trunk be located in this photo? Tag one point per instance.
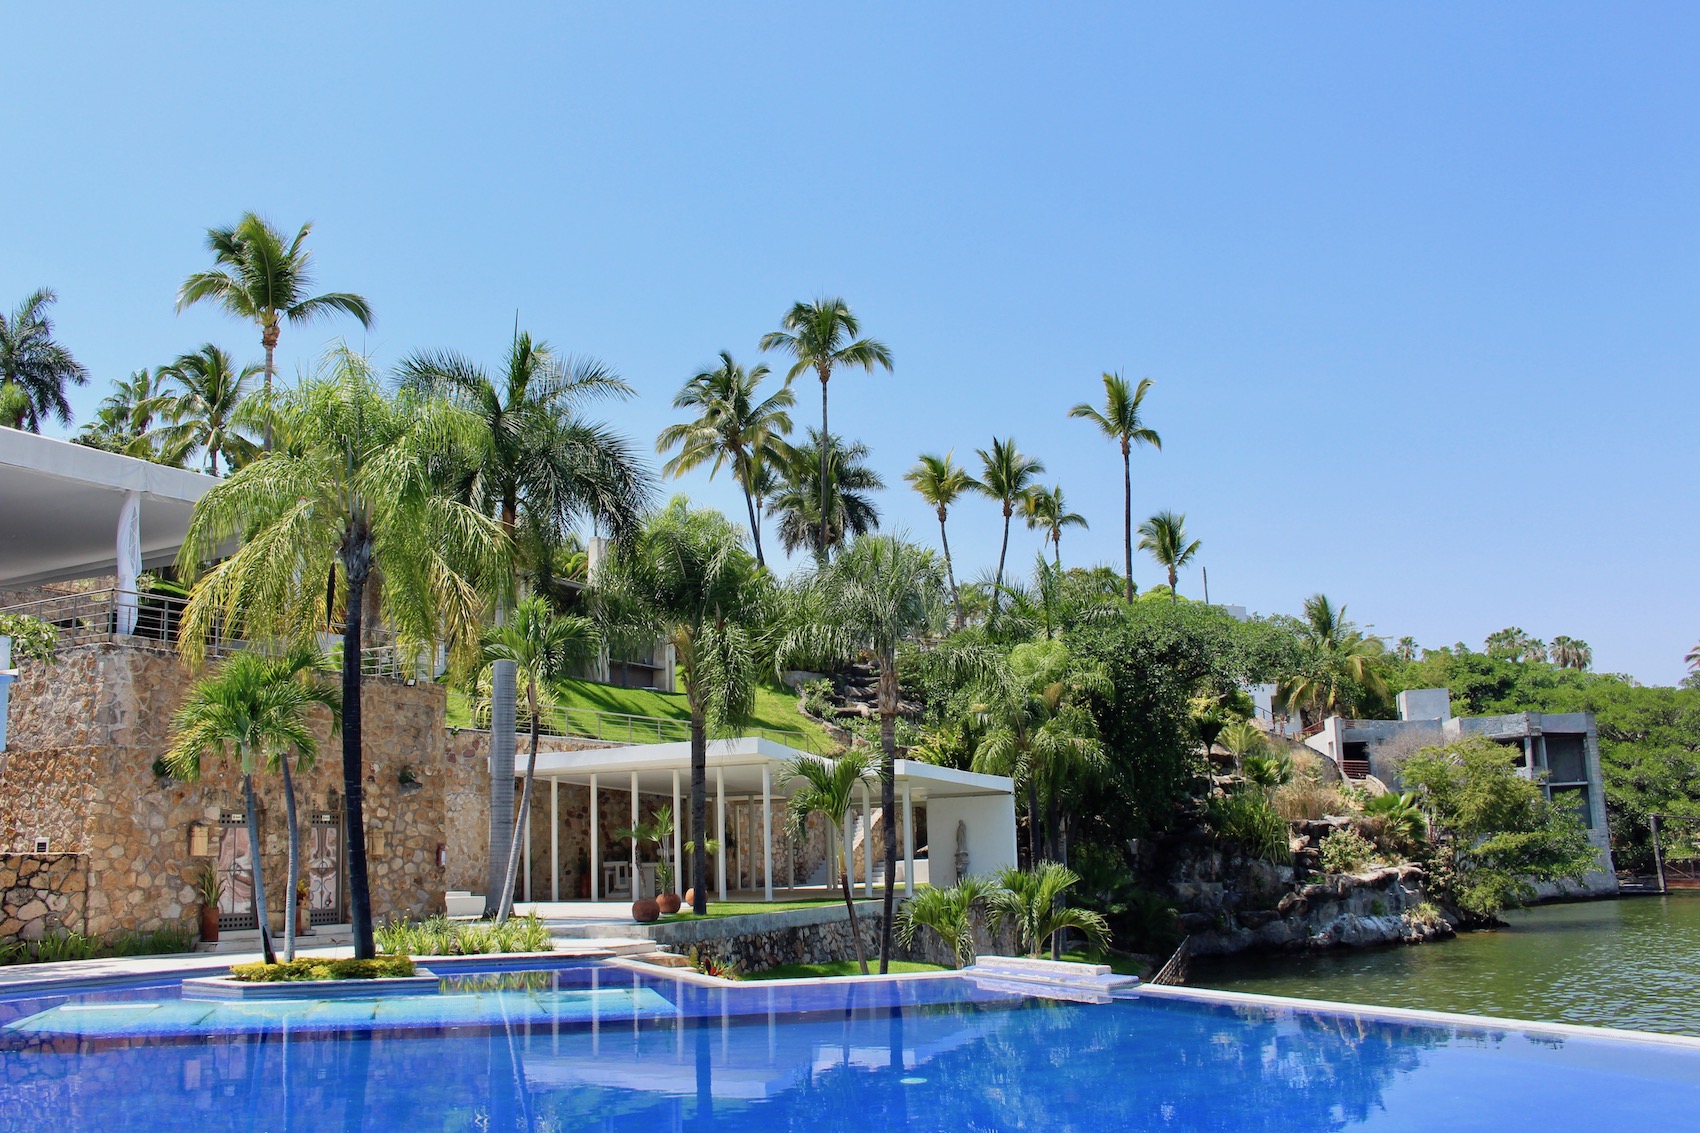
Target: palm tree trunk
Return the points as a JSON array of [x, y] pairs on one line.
[[950, 571], [356, 565], [268, 339], [259, 877], [1127, 518], [755, 526], [1174, 580], [699, 804], [888, 797], [997, 583], [825, 443], [850, 904], [511, 877], [294, 856]]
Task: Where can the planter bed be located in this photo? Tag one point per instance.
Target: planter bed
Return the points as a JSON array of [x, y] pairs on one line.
[[422, 982]]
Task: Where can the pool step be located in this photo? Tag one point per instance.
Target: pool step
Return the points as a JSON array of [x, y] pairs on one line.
[[1069, 980]]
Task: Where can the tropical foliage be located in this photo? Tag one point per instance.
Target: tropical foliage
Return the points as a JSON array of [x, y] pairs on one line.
[[828, 788], [34, 368], [1120, 420]]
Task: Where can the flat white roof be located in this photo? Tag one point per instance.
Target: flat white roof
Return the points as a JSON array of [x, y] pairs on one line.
[[59, 505], [740, 763]]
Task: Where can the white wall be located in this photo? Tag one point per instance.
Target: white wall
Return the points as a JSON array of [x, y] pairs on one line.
[[991, 835]]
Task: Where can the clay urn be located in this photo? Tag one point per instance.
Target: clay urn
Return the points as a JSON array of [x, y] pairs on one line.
[[669, 903], [209, 923], [645, 909]]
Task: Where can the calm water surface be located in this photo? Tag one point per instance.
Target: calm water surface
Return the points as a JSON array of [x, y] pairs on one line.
[[1633, 962]]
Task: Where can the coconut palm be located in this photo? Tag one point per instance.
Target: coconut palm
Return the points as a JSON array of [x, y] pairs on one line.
[[1047, 510], [731, 427], [687, 578], [542, 647], [881, 592], [1406, 649], [302, 664], [941, 483], [34, 369], [1120, 421], [123, 422], [821, 336], [207, 410], [1338, 663], [536, 465], [1164, 536], [1571, 653], [1031, 901], [258, 277], [828, 787], [1006, 476], [352, 492], [851, 511], [249, 709], [949, 913]]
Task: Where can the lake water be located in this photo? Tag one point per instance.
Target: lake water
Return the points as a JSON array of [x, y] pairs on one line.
[[1632, 962]]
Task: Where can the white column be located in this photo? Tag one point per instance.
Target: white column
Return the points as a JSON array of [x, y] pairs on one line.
[[129, 560], [554, 839], [637, 880], [849, 851], [595, 845], [720, 828], [528, 856], [867, 844], [678, 837], [908, 842], [767, 830]]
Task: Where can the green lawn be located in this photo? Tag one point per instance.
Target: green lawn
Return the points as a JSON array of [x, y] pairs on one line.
[[1120, 965], [747, 908], [839, 968], [775, 707]]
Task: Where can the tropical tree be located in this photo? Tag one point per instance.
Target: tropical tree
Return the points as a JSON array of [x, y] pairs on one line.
[[1164, 536], [34, 369], [1406, 649], [1243, 738], [350, 494], [822, 336], [688, 579], [949, 913], [1047, 510], [1571, 653], [850, 509], [251, 708], [1120, 421], [542, 647], [124, 421], [734, 426], [828, 787], [1513, 643], [258, 277], [941, 483], [1032, 901], [536, 464], [1006, 476], [206, 410], [1339, 664], [880, 592], [304, 665]]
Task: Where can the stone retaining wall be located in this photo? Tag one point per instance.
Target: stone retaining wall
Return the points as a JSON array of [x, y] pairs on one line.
[[42, 895]]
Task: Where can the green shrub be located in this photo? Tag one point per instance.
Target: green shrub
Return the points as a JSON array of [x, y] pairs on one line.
[[1425, 915], [65, 946], [1246, 816], [1378, 908], [817, 698], [1346, 851], [32, 638], [160, 941], [439, 936], [380, 968]]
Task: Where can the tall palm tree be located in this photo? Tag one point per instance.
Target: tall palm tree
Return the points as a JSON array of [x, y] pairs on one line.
[[880, 592], [1338, 660], [850, 507], [250, 708], [1006, 476], [123, 422], [1406, 649], [207, 410], [34, 369], [353, 491], [536, 465], [731, 427], [1047, 510], [1164, 536], [542, 646], [1571, 653], [821, 336], [941, 483], [688, 579], [828, 788], [258, 277], [1120, 421]]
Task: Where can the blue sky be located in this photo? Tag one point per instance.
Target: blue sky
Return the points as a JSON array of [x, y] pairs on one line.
[[1419, 286]]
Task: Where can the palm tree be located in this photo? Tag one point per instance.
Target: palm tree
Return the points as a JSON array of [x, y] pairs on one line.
[[302, 664], [1047, 511], [207, 410], [829, 789], [252, 707], [1164, 535], [536, 465], [850, 507], [542, 647], [1571, 653], [353, 492], [1032, 901], [731, 427], [949, 913], [1406, 649], [1243, 738], [123, 423], [1120, 421], [941, 483], [688, 579], [258, 277], [1338, 661], [821, 336], [34, 370], [1513, 643], [880, 592], [1006, 477]]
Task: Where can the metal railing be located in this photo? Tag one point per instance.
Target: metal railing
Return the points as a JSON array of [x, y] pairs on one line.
[[1173, 973], [630, 728]]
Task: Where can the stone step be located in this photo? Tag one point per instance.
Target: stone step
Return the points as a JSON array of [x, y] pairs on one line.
[[1093, 979]]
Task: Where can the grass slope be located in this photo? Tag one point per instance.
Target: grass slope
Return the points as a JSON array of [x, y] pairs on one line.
[[775, 707]]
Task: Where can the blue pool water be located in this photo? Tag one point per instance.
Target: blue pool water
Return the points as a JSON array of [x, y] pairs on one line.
[[595, 1046]]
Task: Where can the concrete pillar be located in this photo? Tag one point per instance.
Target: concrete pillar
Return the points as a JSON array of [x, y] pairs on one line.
[[720, 829], [678, 826], [767, 831], [595, 844], [129, 560], [867, 844], [908, 842], [554, 839], [637, 878], [528, 857]]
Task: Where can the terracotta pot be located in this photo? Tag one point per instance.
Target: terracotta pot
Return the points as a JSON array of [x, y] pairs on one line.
[[691, 897], [645, 909], [209, 923], [303, 919], [669, 903]]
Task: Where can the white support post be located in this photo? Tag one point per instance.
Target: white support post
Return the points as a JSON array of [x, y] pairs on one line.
[[129, 561], [908, 842], [595, 844], [867, 844], [554, 839], [849, 852], [678, 825], [720, 829], [528, 856], [637, 878], [767, 831]]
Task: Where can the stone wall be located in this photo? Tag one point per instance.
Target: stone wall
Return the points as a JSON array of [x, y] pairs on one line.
[[42, 895]]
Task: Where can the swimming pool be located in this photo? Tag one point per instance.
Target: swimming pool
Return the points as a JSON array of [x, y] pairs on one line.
[[601, 1045]]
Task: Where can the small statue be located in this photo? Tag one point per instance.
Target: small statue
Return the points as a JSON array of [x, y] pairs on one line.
[[961, 849]]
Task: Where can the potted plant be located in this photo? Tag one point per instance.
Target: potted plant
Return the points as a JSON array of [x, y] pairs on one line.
[[303, 912], [210, 889], [644, 909], [662, 830], [710, 847]]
